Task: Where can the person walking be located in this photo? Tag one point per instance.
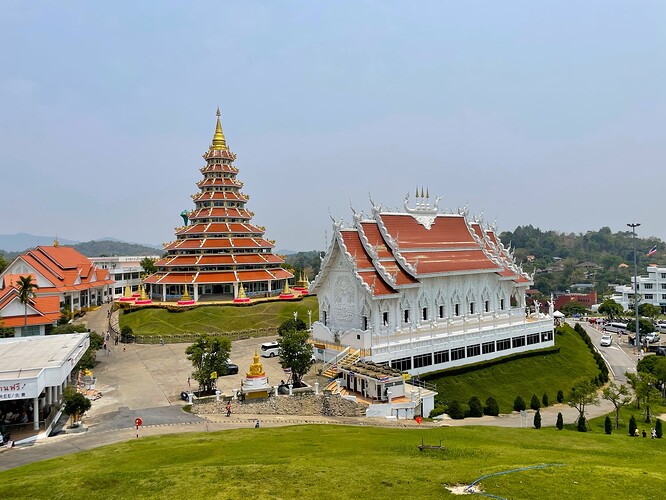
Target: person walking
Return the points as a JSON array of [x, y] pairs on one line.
[[228, 408]]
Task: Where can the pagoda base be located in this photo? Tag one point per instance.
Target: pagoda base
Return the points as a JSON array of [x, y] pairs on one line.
[[136, 295], [185, 302], [243, 300], [126, 299], [143, 302], [286, 296]]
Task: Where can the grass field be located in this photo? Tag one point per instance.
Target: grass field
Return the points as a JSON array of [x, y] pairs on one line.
[[333, 462], [208, 319], [524, 377]]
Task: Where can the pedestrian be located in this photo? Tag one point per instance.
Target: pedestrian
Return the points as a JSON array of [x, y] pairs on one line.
[[644, 433], [188, 382], [228, 408], [256, 425], [654, 433]]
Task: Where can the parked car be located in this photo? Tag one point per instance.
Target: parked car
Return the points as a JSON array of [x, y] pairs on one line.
[[270, 349], [606, 340], [661, 351], [232, 369], [652, 337]]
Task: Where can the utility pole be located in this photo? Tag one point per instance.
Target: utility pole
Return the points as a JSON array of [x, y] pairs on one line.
[[637, 338]]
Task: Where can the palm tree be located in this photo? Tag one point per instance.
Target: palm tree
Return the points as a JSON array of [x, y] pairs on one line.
[[26, 288]]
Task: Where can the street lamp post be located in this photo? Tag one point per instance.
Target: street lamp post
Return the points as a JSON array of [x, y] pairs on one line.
[[637, 338]]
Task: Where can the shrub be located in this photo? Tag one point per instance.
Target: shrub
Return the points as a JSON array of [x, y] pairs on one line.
[[544, 400], [437, 410], [492, 407], [535, 404], [632, 426], [537, 420], [608, 426], [455, 410], [582, 424], [560, 422], [475, 407], [519, 404], [657, 428], [560, 396], [127, 334]]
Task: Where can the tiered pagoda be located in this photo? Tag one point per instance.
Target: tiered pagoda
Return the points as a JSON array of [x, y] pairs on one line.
[[219, 254]]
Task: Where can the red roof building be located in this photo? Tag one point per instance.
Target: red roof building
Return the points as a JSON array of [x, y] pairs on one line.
[[423, 290], [219, 254], [65, 278]]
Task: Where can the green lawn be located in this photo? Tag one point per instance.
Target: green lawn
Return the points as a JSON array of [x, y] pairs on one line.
[[209, 319], [334, 462], [532, 375]]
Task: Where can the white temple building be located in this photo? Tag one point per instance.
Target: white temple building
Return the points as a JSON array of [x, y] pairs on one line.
[[422, 291]]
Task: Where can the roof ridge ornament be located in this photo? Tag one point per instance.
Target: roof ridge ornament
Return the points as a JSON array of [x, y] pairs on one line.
[[422, 212]]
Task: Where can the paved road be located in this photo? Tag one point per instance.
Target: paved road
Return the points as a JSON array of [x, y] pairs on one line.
[[619, 356]]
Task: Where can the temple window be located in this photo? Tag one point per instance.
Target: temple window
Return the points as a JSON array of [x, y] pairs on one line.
[[424, 313], [471, 307], [486, 306], [406, 315], [456, 310], [441, 311], [365, 322], [385, 318]]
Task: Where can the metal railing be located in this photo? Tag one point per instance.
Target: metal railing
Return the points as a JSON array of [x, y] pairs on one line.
[[176, 338]]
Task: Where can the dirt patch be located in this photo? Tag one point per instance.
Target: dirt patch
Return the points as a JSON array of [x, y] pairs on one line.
[[464, 489]]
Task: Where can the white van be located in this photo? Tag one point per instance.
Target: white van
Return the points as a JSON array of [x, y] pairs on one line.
[[615, 327], [660, 327], [270, 349]]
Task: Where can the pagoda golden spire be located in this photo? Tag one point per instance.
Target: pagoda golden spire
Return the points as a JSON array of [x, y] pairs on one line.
[[219, 142]]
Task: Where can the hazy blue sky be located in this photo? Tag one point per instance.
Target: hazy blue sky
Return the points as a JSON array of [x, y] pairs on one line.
[[543, 113]]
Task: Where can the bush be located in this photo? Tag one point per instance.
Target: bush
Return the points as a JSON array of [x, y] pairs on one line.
[[632, 426], [291, 325], [608, 426], [127, 334], [519, 404], [455, 410], [535, 404], [582, 424], [537, 420], [544, 400], [492, 407], [437, 411], [560, 422], [657, 428], [76, 404], [560, 396], [475, 407]]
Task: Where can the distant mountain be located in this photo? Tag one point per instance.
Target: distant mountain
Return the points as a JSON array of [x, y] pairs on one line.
[[284, 252], [22, 241], [99, 248]]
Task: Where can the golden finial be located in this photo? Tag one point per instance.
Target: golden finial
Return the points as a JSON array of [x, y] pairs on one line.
[[417, 191], [422, 192], [241, 291], [427, 193], [285, 290], [219, 142], [128, 290], [55, 242], [186, 295], [144, 295]]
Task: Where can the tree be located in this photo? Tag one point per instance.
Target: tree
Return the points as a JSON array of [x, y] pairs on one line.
[[89, 358], [646, 390], [3, 264], [560, 422], [608, 426], [76, 404], [455, 410], [582, 394], [544, 400], [209, 357], [291, 325], [535, 404], [582, 424], [649, 310], [619, 396], [296, 353], [632, 426], [148, 265], [519, 404], [611, 309], [475, 407], [560, 396], [657, 429], [573, 307], [492, 407], [537, 420], [26, 289]]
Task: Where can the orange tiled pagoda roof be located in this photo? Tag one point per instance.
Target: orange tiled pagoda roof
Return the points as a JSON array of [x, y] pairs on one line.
[[220, 244]]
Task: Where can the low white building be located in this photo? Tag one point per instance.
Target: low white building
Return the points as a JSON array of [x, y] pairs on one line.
[[34, 373], [421, 291], [124, 270], [651, 290]]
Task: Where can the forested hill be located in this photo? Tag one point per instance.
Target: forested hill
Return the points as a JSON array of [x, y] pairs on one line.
[[562, 260], [109, 248]]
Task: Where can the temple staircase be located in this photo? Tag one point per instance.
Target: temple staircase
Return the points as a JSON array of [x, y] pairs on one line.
[[348, 356]]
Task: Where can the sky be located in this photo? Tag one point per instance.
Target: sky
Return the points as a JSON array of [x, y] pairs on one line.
[[549, 113]]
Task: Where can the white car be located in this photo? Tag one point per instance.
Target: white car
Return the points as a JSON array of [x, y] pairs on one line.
[[652, 337], [606, 340]]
